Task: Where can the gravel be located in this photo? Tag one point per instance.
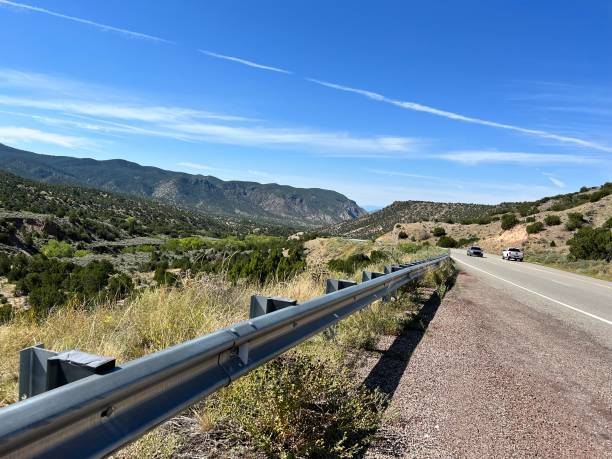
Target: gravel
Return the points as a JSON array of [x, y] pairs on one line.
[[492, 377]]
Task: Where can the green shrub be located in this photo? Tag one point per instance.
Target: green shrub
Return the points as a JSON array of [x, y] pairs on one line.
[[570, 200], [59, 249], [447, 242], [185, 244], [465, 241], [601, 193], [508, 221], [296, 406], [527, 209], [608, 223], [438, 231], [356, 261], [574, 221], [261, 266], [591, 244], [144, 248], [530, 220], [81, 253], [88, 281], [44, 298], [162, 276], [535, 227], [409, 247], [552, 220], [120, 285], [6, 311]]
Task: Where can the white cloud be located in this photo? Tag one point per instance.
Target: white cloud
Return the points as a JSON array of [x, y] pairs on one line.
[[458, 117], [114, 116], [447, 182], [118, 111], [202, 167], [244, 62], [104, 27], [12, 134], [351, 145], [478, 157], [555, 180]]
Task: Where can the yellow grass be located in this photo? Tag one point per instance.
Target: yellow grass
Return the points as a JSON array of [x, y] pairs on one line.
[[161, 317]]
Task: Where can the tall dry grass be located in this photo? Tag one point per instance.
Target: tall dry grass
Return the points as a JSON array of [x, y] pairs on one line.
[[161, 317]]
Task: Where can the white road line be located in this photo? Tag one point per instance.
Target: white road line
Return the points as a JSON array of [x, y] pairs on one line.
[[573, 308], [576, 277]]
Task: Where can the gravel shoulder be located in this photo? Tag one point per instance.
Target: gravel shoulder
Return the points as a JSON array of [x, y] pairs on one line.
[[493, 377]]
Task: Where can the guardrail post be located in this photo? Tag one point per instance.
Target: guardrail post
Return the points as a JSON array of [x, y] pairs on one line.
[[261, 305], [41, 370], [333, 285], [369, 275]]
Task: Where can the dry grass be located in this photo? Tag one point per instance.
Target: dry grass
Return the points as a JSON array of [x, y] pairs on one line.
[[161, 317], [150, 322], [599, 269]]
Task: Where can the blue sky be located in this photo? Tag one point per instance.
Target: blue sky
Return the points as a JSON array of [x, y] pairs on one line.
[[472, 101]]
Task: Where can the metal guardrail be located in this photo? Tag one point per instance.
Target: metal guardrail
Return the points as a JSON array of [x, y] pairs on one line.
[[96, 415]]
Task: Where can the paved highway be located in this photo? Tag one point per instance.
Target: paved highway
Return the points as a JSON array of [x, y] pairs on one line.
[[579, 300]]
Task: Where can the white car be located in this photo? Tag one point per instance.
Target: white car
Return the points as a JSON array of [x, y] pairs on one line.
[[512, 253]]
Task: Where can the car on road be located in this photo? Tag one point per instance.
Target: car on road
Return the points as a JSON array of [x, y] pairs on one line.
[[474, 251], [512, 253]]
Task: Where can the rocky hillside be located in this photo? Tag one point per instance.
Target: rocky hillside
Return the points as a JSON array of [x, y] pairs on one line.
[[383, 220], [404, 212], [32, 213], [548, 227], [266, 202]]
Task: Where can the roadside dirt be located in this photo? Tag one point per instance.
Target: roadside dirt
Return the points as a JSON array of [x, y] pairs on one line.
[[491, 377]]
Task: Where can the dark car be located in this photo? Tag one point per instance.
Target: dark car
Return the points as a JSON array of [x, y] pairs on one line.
[[474, 251]]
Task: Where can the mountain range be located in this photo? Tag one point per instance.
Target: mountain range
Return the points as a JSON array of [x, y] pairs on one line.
[[279, 204]]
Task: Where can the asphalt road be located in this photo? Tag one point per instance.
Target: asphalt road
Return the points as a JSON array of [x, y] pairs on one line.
[[515, 361], [578, 301]]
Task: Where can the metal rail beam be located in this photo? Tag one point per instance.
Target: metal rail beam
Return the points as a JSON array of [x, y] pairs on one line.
[[94, 416]]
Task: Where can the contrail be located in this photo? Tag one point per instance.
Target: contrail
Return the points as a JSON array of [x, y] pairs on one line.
[[407, 105], [244, 62], [458, 117], [104, 27]]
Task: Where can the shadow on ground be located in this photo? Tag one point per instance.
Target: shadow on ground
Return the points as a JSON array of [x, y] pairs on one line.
[[386, 374], [388, 371]]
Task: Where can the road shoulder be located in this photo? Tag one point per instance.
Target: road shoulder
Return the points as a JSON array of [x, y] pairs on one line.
[[493, 377]]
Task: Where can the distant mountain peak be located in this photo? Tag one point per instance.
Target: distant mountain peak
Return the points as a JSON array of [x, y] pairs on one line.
[[281, 204]]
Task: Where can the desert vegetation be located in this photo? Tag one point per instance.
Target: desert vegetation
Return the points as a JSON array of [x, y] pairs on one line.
[[384, 220], [282, 423]]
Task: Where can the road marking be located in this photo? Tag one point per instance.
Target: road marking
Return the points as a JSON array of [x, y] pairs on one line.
[[576, 277], [573, 308]]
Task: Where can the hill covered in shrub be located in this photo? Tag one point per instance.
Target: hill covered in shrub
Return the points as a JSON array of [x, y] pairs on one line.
[[402, 212]]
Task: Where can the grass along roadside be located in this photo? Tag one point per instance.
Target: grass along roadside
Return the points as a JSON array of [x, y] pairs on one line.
[[306, 403], [599, 269]]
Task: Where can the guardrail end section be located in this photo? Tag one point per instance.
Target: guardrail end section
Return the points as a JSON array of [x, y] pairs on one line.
[[261, 305], [333, 285], [41, 370]]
